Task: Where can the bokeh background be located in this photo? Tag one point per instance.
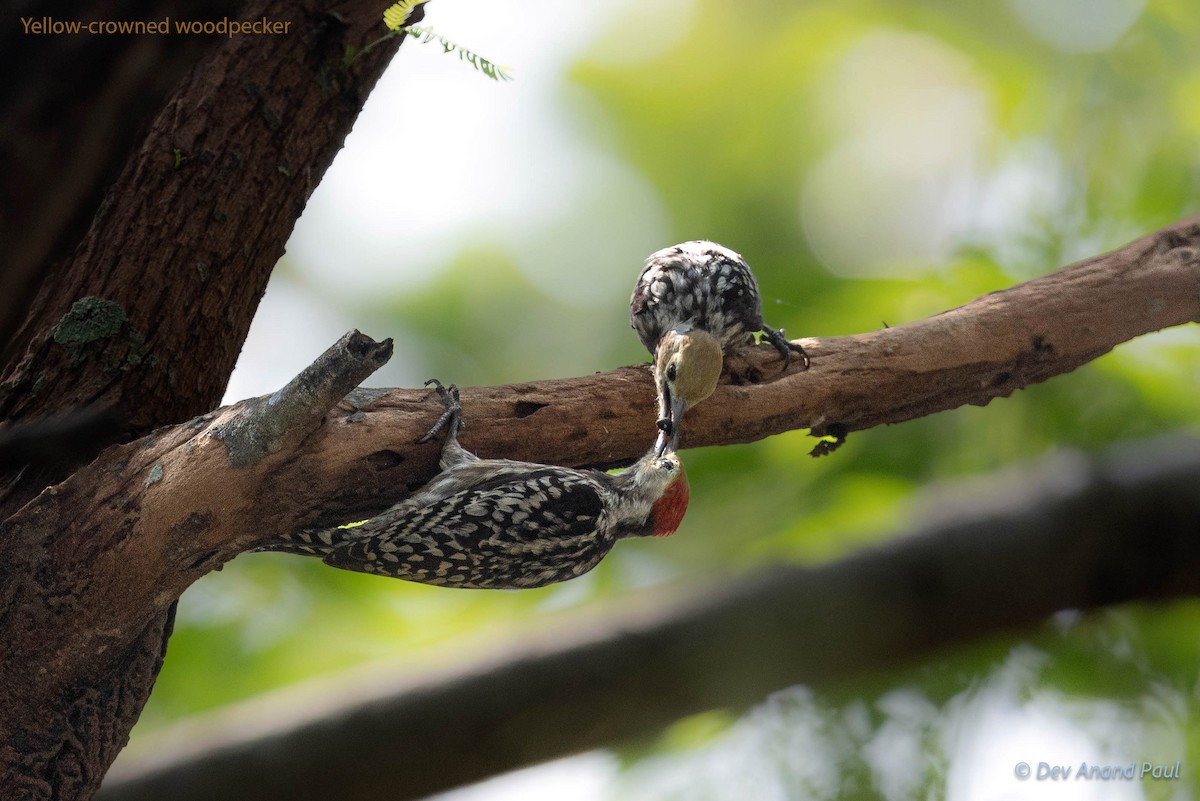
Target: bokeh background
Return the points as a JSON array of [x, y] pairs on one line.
[[876, 161]]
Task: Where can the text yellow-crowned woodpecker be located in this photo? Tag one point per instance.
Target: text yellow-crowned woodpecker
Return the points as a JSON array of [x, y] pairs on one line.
[[502, 524], [692, 303]]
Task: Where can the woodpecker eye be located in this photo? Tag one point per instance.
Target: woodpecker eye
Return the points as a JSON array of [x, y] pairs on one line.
[[671, 371], [667, 464]]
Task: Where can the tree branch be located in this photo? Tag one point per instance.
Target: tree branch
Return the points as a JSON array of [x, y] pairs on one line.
[[187, 506], [985, 349], [266, 425], [94, 565], [1072, 533]]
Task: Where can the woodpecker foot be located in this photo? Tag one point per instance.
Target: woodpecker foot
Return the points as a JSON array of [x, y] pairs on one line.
[[453, 410], [785, 348]]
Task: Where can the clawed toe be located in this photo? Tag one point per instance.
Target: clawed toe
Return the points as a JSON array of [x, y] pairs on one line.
[[448, 396], [797, 348], [786, 349]]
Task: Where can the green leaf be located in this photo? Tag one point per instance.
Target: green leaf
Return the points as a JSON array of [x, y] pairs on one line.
[[398, 14]]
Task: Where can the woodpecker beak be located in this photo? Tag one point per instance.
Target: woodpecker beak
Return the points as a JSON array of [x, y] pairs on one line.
[[664, 422], [678, 406], [671, 443]]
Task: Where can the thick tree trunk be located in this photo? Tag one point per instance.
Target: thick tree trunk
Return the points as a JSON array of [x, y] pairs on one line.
[[146, 315], [149, 313], [68, 117]]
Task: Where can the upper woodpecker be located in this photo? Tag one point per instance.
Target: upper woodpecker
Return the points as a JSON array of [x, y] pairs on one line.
[[692, 303], [502, 524]]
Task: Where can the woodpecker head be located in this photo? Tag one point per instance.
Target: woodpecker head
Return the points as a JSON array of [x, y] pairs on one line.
[[668, 511], [687, 365], [661, 481]]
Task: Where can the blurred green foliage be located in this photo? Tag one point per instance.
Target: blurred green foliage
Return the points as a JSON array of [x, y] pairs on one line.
[[876, 161], [1115, 688]]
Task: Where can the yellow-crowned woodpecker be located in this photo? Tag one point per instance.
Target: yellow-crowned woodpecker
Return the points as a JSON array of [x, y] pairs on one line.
[[693, 303], [502, 524]]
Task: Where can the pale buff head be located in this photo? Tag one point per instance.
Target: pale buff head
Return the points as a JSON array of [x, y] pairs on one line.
[[687, 365]]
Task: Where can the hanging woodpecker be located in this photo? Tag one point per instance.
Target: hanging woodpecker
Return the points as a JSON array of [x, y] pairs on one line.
[[501, 524], [692, 303]]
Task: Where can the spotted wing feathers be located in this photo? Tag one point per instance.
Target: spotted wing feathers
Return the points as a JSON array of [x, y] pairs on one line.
[[528, 531], [696, 285]]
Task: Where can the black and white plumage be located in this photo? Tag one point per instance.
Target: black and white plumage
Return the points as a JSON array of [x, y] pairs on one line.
[[692, 304], [502, 524], [705, 286]]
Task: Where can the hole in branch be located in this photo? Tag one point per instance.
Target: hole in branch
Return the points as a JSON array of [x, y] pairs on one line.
[[526, 408]]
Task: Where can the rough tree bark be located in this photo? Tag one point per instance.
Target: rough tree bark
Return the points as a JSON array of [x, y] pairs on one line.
[[146, 313], [68, 117]]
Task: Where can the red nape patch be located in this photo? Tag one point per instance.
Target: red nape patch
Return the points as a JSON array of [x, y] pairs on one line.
[[668, 511]]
